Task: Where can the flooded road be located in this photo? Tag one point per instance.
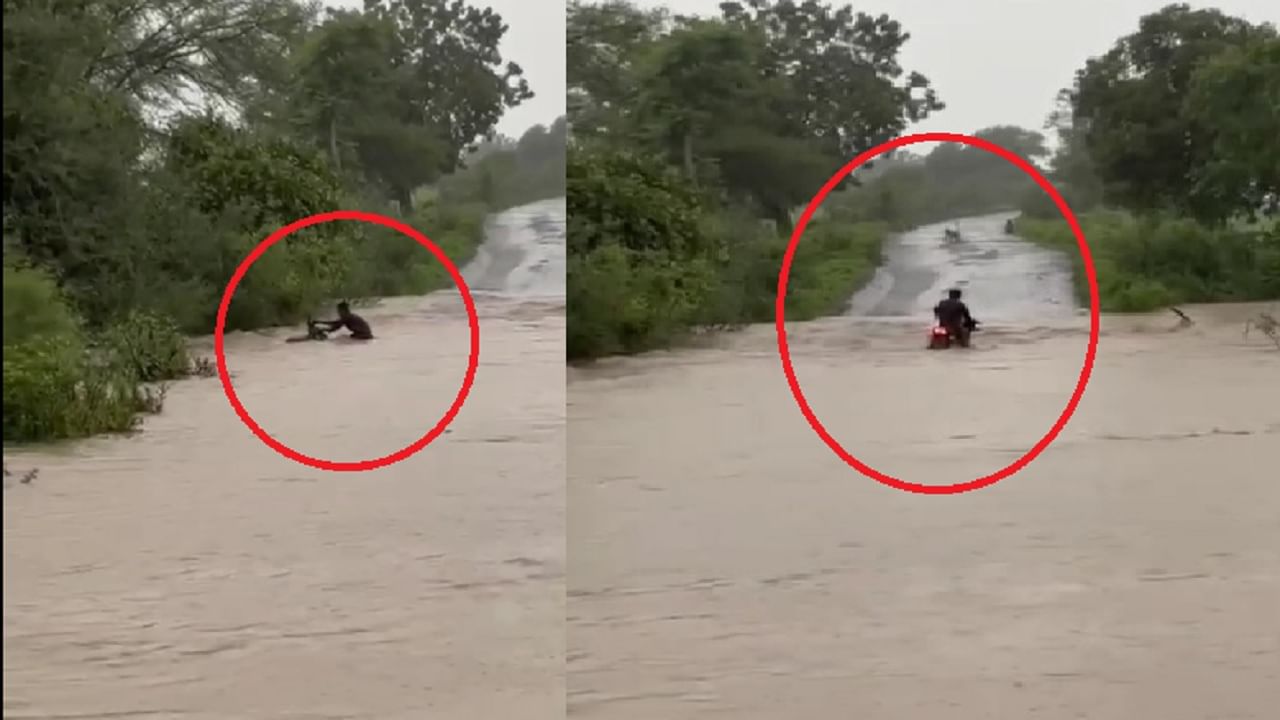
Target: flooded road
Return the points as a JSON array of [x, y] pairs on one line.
[[725, 563], [191, 572], [1002, 277]]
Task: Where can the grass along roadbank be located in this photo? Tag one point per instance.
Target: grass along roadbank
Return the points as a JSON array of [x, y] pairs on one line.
[[1146, 263]]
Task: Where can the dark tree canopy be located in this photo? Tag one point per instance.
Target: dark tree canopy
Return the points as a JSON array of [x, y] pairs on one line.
[[1152, 148]]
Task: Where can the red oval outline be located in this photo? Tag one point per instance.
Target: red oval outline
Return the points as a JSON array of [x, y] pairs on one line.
[[473, 360], [1094, 320]]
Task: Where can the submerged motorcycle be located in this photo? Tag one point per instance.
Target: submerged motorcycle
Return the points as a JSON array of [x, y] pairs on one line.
[[314, 332]]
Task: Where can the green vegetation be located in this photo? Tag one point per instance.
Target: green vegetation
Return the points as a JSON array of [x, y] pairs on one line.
[[694, 143], [1145, 262], [1167, 152], [150, 145], [505, 173], [950, 181], [61, 381]]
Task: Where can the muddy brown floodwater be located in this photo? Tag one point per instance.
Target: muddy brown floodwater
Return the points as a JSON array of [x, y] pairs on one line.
[[725, 563], [191, 572]]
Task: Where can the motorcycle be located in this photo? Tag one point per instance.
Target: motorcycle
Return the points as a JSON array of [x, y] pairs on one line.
[[941, 338], [314, 332]]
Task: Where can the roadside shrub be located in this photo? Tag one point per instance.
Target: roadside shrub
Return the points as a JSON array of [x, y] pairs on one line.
[[55, 387], [148, 345], [33, 305], [52, 391], [1148, 262], [832, 261]]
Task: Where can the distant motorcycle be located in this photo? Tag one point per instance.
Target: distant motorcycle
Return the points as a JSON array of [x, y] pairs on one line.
[[951, 235], [1008, 227]]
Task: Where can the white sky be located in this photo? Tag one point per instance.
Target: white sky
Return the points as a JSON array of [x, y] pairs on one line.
[[996, 62], [535, 41]]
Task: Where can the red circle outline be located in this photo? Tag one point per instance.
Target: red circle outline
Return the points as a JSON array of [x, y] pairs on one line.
[[473, 360], [1090, 352]]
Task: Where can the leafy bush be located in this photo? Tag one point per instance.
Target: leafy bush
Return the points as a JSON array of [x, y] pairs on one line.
[[1152, 261], [55, 387], [149, 346], [33, 305], [52, 391], [628, 301], [640, 264], [650, 259], [831, 262]]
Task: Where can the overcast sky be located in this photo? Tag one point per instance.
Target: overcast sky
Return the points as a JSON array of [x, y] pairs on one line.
[[535, 41], [996, 62]]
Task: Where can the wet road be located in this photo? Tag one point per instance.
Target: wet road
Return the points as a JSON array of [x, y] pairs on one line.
[[190, 572], [1003, 278]]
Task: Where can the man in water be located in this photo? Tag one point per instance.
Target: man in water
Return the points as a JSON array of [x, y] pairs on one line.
[[357, 325], [954, 315]]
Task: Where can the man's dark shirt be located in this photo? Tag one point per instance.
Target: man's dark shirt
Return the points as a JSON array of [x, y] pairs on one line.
[[953, 313]]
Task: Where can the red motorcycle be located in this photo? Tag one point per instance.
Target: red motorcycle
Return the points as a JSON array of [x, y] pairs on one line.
[[941, 338]]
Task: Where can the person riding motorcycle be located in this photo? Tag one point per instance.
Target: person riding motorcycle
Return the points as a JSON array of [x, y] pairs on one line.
[[953, 315], [358, 326]]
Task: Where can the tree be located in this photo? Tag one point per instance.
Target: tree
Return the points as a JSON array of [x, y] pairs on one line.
[[698, 82], [1028, 144], [845, 91], [183, 52], [398, 93], [460, 85], [848, 89], [639, 267], [601, 45], [1235, 95], [353, 92], [1130, 104], [507, 173], [226, 168], [69, 145], [1071, 167]]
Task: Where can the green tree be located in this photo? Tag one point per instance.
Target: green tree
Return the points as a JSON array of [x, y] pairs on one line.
[[69, 145], [639, 266], [227, 168], [353, 92], [602, 44], [460, 84], [845, 91], [848, 89], [1235, 95], [1131, 106], [503, 173]]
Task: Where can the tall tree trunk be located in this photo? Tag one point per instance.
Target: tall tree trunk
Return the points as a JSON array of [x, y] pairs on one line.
[[781, 217], [688, 156], [333, 142], [404, 199]]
